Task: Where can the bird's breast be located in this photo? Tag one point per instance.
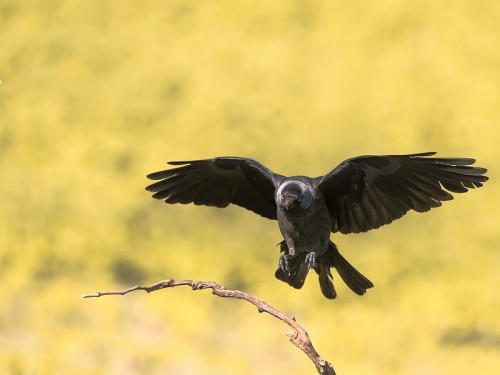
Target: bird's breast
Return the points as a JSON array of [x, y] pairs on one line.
[[307, 231]]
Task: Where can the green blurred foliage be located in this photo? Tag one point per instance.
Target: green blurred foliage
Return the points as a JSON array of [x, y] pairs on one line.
[[95, 94]]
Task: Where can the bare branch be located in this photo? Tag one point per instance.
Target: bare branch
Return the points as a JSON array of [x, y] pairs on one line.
[[299, 337]]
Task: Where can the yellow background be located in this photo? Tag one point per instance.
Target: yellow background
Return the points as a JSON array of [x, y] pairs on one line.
[[96, 94]]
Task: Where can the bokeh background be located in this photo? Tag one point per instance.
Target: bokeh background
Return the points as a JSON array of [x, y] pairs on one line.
[[96, 94]]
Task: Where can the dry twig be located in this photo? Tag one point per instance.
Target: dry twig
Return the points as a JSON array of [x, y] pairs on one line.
[[299, 338]]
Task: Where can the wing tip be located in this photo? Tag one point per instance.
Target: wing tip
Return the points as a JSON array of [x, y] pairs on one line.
[[428, 153], [190, 162], [181, 162]]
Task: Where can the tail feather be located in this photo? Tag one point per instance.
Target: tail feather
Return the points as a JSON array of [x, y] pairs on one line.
[[326, 281], [300, 274], [356, 281], [297, 272]]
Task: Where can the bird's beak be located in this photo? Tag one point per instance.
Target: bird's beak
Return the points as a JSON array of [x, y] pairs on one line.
[[287, 203]]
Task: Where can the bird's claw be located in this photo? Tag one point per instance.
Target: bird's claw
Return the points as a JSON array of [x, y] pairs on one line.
[[283, 264], [310, 259]]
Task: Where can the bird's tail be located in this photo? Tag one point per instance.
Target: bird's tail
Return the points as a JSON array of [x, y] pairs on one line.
[[298, 269], [351, 276]]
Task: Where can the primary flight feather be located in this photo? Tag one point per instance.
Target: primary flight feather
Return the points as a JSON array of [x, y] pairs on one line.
[[360, 194]]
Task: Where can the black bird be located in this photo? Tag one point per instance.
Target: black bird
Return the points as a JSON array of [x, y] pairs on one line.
[[360, 194]]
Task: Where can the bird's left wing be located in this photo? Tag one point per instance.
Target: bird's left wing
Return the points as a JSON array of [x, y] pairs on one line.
[[366, 192], [218, 182]]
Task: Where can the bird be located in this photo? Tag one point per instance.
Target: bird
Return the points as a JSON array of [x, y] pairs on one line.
[[360, 194]]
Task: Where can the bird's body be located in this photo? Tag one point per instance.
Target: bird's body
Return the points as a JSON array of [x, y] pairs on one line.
[[305, 229], [360, 194]]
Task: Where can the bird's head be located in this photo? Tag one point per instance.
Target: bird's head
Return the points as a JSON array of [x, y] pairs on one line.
[[294, 196]]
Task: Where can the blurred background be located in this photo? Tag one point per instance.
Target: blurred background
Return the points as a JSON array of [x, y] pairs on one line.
[[96, 94]]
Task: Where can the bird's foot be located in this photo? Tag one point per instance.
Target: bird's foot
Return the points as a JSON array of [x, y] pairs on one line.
[[310, 259], [283, 263]]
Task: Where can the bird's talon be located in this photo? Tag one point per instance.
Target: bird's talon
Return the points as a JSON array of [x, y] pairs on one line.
[[310, 259], [283, 264]]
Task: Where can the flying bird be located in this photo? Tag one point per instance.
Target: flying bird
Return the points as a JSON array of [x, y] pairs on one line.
[[360, 194]]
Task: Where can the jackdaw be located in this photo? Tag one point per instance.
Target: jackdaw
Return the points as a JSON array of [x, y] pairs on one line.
[[360, 194]]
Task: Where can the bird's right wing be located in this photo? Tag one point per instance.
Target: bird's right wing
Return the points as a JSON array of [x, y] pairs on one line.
[[219, 182], [366, 192]]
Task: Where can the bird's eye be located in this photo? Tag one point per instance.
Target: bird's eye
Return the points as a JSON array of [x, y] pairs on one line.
[[300, 199]]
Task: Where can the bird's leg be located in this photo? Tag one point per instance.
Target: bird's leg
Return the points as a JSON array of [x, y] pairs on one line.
[[310, 259], [288, 253]]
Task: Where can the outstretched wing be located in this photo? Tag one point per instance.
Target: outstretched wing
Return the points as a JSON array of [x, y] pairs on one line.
[[366, 192], [218, 182]]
